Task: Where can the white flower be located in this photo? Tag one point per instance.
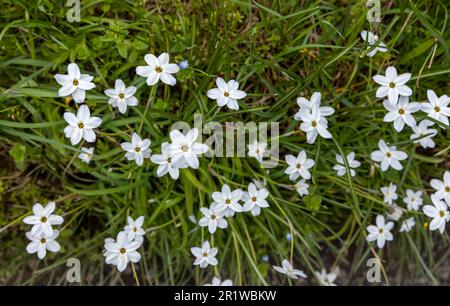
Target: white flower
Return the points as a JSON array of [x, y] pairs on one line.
[[158, 68], [138, 149], [392, 85], [324, 278], [298, 166], [442, 187], [40, 243], [81, 125], [213, 219], [122, 251], [255, 199], [439, 212], [106, 253], [389, 192], [205, 255], [407, 225], [380, 232], [413, 199], [43, 219], [388, 156], [314, 124], [165, 162], [134, 228], [217, 282], [308, 105], [372, 40], [121, 96], [226, 93], [437, 108], [288, 269], [401, 112], [302, 187], [257, 150], [184, 148], [74, 83], [352, 163], [395, 212], [227, 201], [421, 130], [86, 154]]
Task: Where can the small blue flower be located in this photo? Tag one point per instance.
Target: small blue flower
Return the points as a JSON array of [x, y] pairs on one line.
[[265, 258], [183, 64], [288, 237]]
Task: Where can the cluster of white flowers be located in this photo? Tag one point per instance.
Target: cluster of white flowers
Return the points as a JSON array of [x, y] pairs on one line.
[[42, 235], [122, 250]]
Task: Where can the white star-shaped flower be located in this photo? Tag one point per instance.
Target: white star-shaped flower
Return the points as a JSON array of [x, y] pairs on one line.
[[388, 156], [166, 163], [421, 130], [380, 232], [227, 201], [442, 187], [74, 83], [255, 199], [184, 148], [226, 93], [40, 243], [308, 105], [81, 126], [288, 269], [390, 193], [298, 166], [217, 282], [134, 228], [138, 149], [439, 212], [352, 163], [205, 255], [43, 219], [314, 124], [407, 225], [324, 278], [372, 40], [121, 96], [400, 113], [86, 154], [158, 69], [437, 108], [257, 150], [413, 199], [302, 187], [122, 251], [392, 85], [213, 219]]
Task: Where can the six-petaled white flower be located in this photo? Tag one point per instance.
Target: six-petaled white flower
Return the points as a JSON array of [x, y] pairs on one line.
[[302, 187], [184, 148], [255, 199], [442, 187], [314, 124], [138, 149], [314, 102], [372, 40], [122, 251], [81, 125], [166, 163], [389, 193], [400, 113], [298, 166], [388, 156], [392, 85], [121, 96], [43, 219], [352, 163], [324, 278], [205, 255], [425, 134], [213, 219], [40, 243], [158, 69], [74, 83], [381, 232], [86, 154], [226, 93], [217, 282], [407, 225], [257, 150], [437, 108], [288, 269], [227, 201], [413, 199], [439, 212], [134, 228]]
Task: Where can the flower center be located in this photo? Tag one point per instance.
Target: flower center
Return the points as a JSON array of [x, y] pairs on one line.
[[169, 160], [392, 85], [80, 125], [298, 166], [442, 213], [137, 149], [135, 229], [226, 93], [388, 154], [228, 201], [381, 231], [123, 250], [314, 123], [75, 82], [401, 111], [158, 69], [185, 148], [121, 95], [447, 189], [43, 240], [213, 217], [205, 254], [437, 109], [254, 199], [44, 219]]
